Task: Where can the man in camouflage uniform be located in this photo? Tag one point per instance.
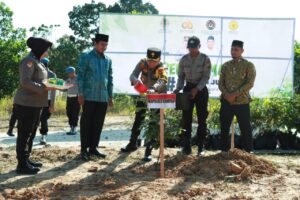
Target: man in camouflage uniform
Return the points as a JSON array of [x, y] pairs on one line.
[[194, 70], [153, 75], [236, 79]]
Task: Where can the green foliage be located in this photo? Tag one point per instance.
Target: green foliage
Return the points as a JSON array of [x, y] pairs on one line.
[[12, 48], [213, 118], [297, 67], [116, 8], [6, 105], [132, 6], [123, 105], [65, 54], [43, 31], [84, 20], [6, 25], [172, 125]]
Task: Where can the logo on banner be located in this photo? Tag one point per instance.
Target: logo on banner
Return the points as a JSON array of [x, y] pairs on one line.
[[187, 25], [233, 25], [210, 24]]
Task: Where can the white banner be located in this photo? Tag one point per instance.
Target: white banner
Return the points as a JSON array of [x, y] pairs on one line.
[[268, 43]]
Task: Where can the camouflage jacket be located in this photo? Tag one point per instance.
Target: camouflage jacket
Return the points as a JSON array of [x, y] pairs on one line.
[[153, 78]]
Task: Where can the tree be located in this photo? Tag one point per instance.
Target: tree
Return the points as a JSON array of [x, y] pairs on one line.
[[84, 20], [131, 6], [43, 31], [297, 67], [12, 48], [116, 8], [65, 54]]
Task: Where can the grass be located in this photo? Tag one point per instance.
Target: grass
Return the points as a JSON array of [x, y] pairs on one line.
[[123, 105], [6, 105]]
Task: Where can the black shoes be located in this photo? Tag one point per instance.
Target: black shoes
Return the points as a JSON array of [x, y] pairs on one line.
[[34, 164], [96, 153], [10, 132], [147, 158], [129, 148], [200, 150], [43, 140], [26, 168], [85, 156], [148, 150], [187, 150], [72, 131]]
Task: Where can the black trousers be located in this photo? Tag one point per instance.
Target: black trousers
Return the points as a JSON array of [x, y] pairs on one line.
[[140, 114], [73, 109], [13, 118], [44, 119], [28, 120], [242, 113], [91, 124], [200, 101]]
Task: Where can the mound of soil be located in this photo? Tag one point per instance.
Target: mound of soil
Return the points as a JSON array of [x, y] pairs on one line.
[[54, 154], [240, 164]]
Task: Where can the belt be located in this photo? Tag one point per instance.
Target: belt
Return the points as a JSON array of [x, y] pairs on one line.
[[72, 95]]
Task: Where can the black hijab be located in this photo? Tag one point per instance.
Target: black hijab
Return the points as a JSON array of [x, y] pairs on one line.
[[38, 46]]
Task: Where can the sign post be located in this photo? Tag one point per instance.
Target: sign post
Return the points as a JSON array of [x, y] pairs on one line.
[[161, 101], [162, 144], [232, 135]]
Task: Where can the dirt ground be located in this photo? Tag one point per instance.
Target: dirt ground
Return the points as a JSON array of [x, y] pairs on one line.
[[235, 175]]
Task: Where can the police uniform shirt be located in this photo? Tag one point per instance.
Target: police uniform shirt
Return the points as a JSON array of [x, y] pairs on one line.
[[31, 91], [194, 70]]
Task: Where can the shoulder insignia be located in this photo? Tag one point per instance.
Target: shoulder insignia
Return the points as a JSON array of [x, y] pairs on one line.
[[29, 64]]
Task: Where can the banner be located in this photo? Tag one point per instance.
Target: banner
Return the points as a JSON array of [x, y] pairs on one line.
[[268, 44]]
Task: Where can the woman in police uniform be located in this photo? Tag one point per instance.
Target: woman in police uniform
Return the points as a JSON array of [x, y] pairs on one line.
[[31, 96]]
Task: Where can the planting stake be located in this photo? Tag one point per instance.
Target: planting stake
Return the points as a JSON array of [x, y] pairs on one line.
[[232, 135], [161, 156]]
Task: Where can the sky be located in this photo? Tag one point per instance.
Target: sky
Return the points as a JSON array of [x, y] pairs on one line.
[[28, 13]]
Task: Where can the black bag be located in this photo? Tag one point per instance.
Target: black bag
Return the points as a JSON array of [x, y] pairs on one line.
[[182, 101]]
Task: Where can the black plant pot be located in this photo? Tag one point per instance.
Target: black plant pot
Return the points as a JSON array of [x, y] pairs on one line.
[[208, 142], [172, 143], [297, 143], [271, 142], [265, 141], [216, 142], [286, 140]]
